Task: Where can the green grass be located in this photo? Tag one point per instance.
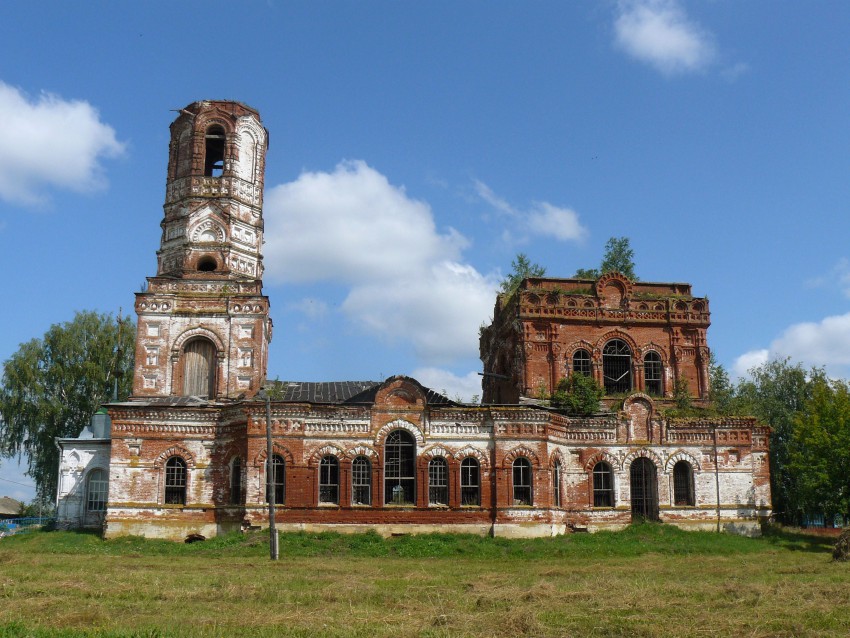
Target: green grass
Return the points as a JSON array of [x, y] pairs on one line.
[[649, 580]]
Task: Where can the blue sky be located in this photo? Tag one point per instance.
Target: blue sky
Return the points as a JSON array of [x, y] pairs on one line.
[[416, 147]]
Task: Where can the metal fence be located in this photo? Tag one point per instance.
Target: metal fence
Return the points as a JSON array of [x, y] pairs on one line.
[[18, 525]]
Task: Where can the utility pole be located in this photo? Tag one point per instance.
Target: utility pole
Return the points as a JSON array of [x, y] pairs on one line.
[[270, 486]]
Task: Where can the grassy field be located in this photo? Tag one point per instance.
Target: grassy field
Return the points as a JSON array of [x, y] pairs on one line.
[[649, 580]]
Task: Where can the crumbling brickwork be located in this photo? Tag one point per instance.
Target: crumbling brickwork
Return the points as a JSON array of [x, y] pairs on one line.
[[188, 450]]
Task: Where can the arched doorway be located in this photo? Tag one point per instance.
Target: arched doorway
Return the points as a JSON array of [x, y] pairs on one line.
[[644, 486], [199, 368]]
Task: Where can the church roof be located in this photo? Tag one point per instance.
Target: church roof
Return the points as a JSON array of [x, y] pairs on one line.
[[341, 392]]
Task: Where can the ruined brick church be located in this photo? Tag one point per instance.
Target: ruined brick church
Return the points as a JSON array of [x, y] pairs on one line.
[[187, 452]]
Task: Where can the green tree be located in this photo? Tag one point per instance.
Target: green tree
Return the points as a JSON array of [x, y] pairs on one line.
[[721, 391], [619, 257], [819, 449], [51, 387], [578, 394], [776, 392], [521, 268]]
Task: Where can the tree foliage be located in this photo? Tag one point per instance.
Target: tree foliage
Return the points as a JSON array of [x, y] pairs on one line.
[[578, 394], [52, 386], [521, 268], [619, 257]]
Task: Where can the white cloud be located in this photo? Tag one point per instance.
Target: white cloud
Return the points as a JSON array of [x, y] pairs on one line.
[[466, 387], [350, 226], [407, 281], [658, 32], [824, 343], [50, 142], [749, 360], [542, 218]]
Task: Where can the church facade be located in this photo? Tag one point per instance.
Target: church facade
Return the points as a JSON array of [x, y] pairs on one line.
[[188, 450]]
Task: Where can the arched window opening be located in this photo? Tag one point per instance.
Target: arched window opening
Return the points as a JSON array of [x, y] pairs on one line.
[[603, 485], [97, 491], [175, 481], [329, 480], [652, 373], [617, 367], [522, 481], [361, 481], [556, 484], [470, 482], [644, 486], [199, 368], [438, 481], [214, 157], [236, 481], [399, 469], [207, 264], [278, 480], [581, 362], [683, 484]]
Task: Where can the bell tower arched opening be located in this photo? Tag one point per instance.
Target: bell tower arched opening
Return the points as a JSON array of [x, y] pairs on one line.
[[214, 151], [199, 368]]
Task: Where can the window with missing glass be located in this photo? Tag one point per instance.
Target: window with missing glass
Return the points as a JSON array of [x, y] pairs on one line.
[[361, 481], [652, 374], [97, 491], [522, 481], [683, 484], [400, 468], [617, 367], [581, 362], [470, 490], [438, 481], [329, 480], [175, 481], [277, 480], [603, 485]]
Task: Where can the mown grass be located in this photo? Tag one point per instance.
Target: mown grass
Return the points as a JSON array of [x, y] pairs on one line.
[[650, 580]]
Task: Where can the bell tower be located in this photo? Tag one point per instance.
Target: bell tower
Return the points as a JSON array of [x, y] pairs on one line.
[[203, 323]]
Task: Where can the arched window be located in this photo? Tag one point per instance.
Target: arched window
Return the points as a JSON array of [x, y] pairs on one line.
[[581, 362], [470, 482], [214, 157], [175, 481], [652, 373], [683, 484], [556, 484], [97, 491], [522, 481], [199, 368], [361, 481], [236, 481], [399, 468], [278, 480], [603, 485], [617, 366], [329, 480], [438, 481]]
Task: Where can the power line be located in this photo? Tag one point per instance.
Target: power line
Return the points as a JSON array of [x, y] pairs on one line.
[[16, 482]]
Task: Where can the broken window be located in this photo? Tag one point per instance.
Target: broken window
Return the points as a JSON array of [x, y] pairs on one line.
[[556, 484], [399, 469], [236, 481], [470, 492], [97, 491], [644, 490], [175, 481], [603, 485], [329, 480], [652, 373], [214, 156], [278, 480], [617, 367], [361, 481], [438, 481], [683, 484], [522, 481], [581, 362]]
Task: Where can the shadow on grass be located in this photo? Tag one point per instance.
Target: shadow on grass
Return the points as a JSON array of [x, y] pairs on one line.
[[797, 540]]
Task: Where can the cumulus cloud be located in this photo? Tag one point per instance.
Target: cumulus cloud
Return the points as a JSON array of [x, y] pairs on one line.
[[823, 343], [406, 280], [466, 388], [659, 33], [541, 218], [749, 360], [50, 142]]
